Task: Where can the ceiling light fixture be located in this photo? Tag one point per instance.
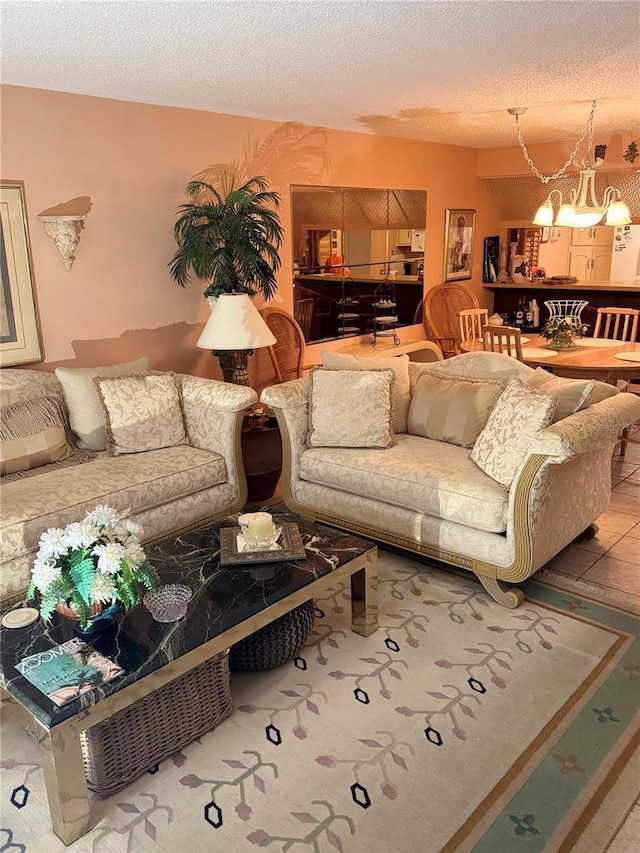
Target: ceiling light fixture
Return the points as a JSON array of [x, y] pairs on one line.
[[583, 210]]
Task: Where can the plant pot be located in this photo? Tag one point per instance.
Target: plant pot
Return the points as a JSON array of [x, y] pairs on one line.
[[103, 618], [563, 342]]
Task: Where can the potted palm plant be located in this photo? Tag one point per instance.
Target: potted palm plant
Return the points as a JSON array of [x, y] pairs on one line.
[[229, 241]]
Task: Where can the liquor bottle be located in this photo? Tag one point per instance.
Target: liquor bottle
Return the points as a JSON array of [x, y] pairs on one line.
[[528, 318], [518, 317], [536, 314]]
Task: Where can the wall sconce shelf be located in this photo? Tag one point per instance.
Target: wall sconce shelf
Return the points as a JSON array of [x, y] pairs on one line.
[[64, 230]]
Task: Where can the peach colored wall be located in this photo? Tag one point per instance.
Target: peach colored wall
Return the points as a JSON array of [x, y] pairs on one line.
[[133, 161]]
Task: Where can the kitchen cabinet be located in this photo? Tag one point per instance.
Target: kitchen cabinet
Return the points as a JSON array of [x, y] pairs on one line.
[[417, 240], [590, 264], [590, 253], [596, 235], [403, 236]]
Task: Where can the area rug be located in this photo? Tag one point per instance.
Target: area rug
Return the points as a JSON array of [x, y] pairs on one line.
[[457, 726]]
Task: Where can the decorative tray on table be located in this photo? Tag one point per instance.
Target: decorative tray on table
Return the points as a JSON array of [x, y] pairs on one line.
[[288, 546]]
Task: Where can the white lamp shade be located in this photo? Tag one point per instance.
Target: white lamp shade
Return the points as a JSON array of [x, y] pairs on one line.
[[585, 217], [544, 216], [566, 215], [235, 324], [618, 214]]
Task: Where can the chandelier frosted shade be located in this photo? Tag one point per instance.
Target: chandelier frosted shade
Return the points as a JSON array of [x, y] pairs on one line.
[[544, 216], [618, 214]]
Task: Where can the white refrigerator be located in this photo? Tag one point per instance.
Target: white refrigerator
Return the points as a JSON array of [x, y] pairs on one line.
[[625, 254]]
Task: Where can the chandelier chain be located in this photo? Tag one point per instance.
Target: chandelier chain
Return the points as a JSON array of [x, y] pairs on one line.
[[544, 178]]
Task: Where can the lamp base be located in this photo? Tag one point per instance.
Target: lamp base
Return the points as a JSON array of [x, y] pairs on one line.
[[234, 365]]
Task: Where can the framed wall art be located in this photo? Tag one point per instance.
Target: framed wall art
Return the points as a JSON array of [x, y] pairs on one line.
[[19, 332], [458, 244]]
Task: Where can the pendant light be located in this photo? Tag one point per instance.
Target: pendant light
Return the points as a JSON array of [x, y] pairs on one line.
[[583, 209]]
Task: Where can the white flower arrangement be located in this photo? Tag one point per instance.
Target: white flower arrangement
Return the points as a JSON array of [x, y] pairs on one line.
[[91, 563]]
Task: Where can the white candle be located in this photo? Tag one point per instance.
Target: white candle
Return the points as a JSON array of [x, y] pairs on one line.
[[260, 526]]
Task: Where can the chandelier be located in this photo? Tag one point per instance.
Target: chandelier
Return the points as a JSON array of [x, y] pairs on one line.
[[583, 209]]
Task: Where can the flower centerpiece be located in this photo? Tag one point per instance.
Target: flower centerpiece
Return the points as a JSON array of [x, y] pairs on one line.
[[90, 565], [562, 331]]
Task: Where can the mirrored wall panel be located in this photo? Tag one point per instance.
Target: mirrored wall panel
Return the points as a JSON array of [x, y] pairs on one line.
[[358, 259]]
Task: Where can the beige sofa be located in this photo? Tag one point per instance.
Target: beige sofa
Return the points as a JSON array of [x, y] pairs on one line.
[[429, 496], [164, 490]]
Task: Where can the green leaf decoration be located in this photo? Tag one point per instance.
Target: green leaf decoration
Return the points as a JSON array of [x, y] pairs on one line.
[[82, 572]]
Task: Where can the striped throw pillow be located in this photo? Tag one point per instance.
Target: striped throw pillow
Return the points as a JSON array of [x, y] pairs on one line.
[[33, 451], [451, 409], [33, 433]]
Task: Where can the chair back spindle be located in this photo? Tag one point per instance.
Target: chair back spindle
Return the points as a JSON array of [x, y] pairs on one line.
[[471, 322], [617, 323], [504, 339]]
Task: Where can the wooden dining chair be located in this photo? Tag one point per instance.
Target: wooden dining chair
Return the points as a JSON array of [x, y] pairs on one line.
[[620, 324], [442, 304], [504, 339], [617, 323], [471, 322], [287, 354], [303, 314]]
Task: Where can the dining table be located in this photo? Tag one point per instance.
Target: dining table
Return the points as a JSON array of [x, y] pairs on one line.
[[593, 358]]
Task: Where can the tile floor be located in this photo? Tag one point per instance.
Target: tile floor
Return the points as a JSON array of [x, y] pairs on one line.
[[616, 549], [611, 560]]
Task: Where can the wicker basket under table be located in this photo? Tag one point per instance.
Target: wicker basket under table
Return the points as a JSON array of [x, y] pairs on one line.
[[276, 643], [133, 740]]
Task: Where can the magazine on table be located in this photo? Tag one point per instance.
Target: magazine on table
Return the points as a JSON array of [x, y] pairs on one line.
[[67, 671]]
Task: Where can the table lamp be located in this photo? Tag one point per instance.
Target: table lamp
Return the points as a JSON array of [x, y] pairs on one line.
[[233, 331]]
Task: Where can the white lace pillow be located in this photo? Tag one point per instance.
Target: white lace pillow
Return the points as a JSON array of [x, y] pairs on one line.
[[503, 444], [398, 363], [572, 394], [351, 408], [142, 412], [451, 408]]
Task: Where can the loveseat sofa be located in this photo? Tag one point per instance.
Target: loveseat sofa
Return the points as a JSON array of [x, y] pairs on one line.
[[429, 496], [164, 490]]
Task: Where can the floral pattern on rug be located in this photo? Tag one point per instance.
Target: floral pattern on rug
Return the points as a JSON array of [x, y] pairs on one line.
[[396, 742]]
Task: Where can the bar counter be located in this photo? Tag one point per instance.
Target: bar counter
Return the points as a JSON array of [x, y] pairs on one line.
[[600, 294]]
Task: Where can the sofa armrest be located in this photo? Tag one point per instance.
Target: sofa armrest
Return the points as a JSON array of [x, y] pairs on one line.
[[594, 428], [213, 413], [290, 404], [568, 459]]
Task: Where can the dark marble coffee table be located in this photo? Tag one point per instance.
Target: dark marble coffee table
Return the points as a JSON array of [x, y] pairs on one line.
[[228, 604]]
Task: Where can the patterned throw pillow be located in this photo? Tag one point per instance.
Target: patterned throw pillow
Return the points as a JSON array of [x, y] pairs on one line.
[[451, 408], [398, 363], [142, 412], [85, 412], [33, 434], [351, 408], [572, 394], [503, 444]]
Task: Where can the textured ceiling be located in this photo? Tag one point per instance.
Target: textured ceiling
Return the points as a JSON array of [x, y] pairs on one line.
[[443, 71]]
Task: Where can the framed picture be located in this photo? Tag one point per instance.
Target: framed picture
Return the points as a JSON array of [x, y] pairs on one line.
[[544, 234], [19, 331], [458, 244]]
